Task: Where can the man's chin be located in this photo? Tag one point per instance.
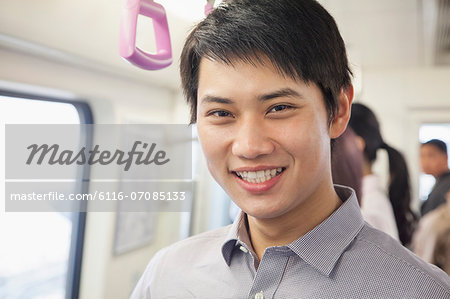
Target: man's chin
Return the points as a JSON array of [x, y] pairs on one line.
[[264, 213]]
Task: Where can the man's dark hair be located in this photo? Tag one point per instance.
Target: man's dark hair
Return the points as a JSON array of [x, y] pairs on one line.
[[439, 144], [299, 37]]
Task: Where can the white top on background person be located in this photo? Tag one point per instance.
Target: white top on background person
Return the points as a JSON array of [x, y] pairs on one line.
[[431, 239], [375, 206]]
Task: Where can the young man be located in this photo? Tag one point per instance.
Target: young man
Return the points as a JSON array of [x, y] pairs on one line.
[[434, 161], [269, 85]]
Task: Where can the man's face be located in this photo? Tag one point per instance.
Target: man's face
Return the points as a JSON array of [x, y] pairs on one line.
[[433, 161], [265, 137]]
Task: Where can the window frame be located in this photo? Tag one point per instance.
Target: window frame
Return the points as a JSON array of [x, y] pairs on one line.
[[79, 221]]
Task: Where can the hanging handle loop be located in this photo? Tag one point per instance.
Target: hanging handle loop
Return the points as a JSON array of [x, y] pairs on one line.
[[209, 6], [127, 38]]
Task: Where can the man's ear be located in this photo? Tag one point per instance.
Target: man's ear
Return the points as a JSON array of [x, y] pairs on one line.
[[339, 124]]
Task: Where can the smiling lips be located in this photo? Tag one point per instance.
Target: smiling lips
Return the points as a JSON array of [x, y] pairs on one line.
[[260, 180], [260, 176]]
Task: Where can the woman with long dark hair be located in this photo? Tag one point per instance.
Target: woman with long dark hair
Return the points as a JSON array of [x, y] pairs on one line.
[[365, 124]]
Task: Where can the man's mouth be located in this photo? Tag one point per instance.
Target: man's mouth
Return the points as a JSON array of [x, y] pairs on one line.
[[259, 176]]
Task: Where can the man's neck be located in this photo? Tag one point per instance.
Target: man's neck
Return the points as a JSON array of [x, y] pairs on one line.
[[288, 227]]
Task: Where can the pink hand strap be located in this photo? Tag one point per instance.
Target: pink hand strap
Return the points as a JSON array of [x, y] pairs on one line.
[[127, 38]]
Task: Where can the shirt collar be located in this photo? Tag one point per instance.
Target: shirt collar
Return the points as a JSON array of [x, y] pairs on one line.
[[236, 236], [323, 245], [444, 175]]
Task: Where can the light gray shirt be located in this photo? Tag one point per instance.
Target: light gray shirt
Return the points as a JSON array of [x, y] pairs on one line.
[[342, 257]]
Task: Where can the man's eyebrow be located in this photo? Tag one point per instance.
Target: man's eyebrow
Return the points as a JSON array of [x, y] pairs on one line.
[[214, 99], [284, 92]]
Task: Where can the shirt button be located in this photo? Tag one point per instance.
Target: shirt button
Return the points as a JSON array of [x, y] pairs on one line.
[[243, 249], [259, 295]]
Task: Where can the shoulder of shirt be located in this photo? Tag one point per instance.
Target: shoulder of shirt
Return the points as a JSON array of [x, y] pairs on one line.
[[419, 270], [206, 241], [170, 260], [215, 234]]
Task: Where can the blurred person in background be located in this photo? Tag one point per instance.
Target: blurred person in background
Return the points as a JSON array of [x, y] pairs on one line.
[[434, 161], [391, 214], [348, 169], [431, 241], [347, 162]]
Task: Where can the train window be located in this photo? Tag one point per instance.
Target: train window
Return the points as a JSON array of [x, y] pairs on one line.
[[427, 132], [40, 252]]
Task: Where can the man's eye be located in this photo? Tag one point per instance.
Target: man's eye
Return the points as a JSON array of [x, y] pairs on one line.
[[279, 108], [220, 113]]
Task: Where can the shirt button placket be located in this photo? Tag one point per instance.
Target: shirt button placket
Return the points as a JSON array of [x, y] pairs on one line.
[[269, 274]]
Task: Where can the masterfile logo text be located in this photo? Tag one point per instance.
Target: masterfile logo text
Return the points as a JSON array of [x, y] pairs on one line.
[[136, 152], [52, 155]]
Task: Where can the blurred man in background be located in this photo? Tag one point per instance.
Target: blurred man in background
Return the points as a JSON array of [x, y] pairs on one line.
[[434, 161]]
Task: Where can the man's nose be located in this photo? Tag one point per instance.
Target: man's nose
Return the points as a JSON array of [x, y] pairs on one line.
[[252, 140]]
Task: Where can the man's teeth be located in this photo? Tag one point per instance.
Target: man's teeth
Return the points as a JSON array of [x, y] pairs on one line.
[[259, 176]]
